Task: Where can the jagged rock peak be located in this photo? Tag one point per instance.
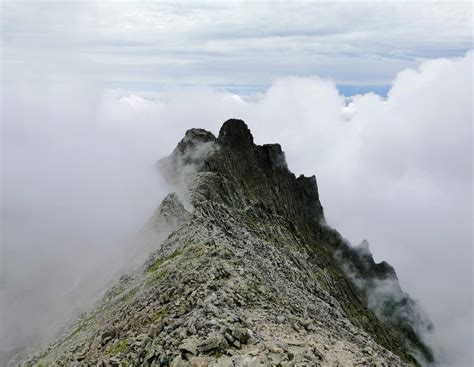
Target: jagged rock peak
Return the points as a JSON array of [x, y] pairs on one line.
[[236, 133], [242, 174], [276, 155], [194, 137]]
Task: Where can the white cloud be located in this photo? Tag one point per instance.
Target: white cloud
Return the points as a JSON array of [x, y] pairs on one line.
[[395, 170]]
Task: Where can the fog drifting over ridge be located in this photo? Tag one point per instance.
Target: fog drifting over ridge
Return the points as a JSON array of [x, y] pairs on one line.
[[78, 179]]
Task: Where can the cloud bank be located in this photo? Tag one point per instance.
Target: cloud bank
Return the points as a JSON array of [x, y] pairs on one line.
[[78, 179]]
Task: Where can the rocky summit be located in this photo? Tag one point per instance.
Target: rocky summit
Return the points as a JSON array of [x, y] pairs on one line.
[[249, 274]]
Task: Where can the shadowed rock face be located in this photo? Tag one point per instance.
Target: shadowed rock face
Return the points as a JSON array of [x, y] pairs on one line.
[[235, 133], [246, 174], [251, 276], [253, 175]]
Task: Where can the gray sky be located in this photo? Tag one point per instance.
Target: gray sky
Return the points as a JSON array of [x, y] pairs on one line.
[[94, 93]]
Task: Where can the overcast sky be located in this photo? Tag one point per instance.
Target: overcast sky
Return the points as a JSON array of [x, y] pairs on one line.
[[375, 99], [239, 46]]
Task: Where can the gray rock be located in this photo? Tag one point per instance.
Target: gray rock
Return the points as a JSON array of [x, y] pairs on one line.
[[214, 343], [280, 319], [189, 346], [241, 334]]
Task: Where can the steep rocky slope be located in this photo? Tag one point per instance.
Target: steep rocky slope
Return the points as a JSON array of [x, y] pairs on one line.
[[250, 275]]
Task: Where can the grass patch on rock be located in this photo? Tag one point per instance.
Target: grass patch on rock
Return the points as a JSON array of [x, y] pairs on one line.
[[120, 347], [162, 260]]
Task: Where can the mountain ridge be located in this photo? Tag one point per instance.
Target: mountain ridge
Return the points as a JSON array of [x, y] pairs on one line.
[[250, 274]]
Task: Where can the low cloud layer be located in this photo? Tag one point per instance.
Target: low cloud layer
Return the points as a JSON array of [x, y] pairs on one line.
[[78, 180]]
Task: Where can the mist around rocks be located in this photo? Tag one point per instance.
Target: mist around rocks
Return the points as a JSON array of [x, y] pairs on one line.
[[79, 181], [254, 251]]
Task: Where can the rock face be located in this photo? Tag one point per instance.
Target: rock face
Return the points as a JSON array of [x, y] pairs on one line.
[[250, 276]]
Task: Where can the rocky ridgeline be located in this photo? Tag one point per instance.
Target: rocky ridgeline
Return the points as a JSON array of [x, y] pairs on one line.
[[250, 275]]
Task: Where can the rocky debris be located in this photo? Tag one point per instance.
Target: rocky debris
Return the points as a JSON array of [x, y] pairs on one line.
[[170, 215], [189, 347], [214, 343], [249, 278]]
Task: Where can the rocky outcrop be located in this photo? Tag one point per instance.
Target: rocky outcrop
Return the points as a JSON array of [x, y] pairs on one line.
[[251, 275], [170, 214], [384, 296]]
